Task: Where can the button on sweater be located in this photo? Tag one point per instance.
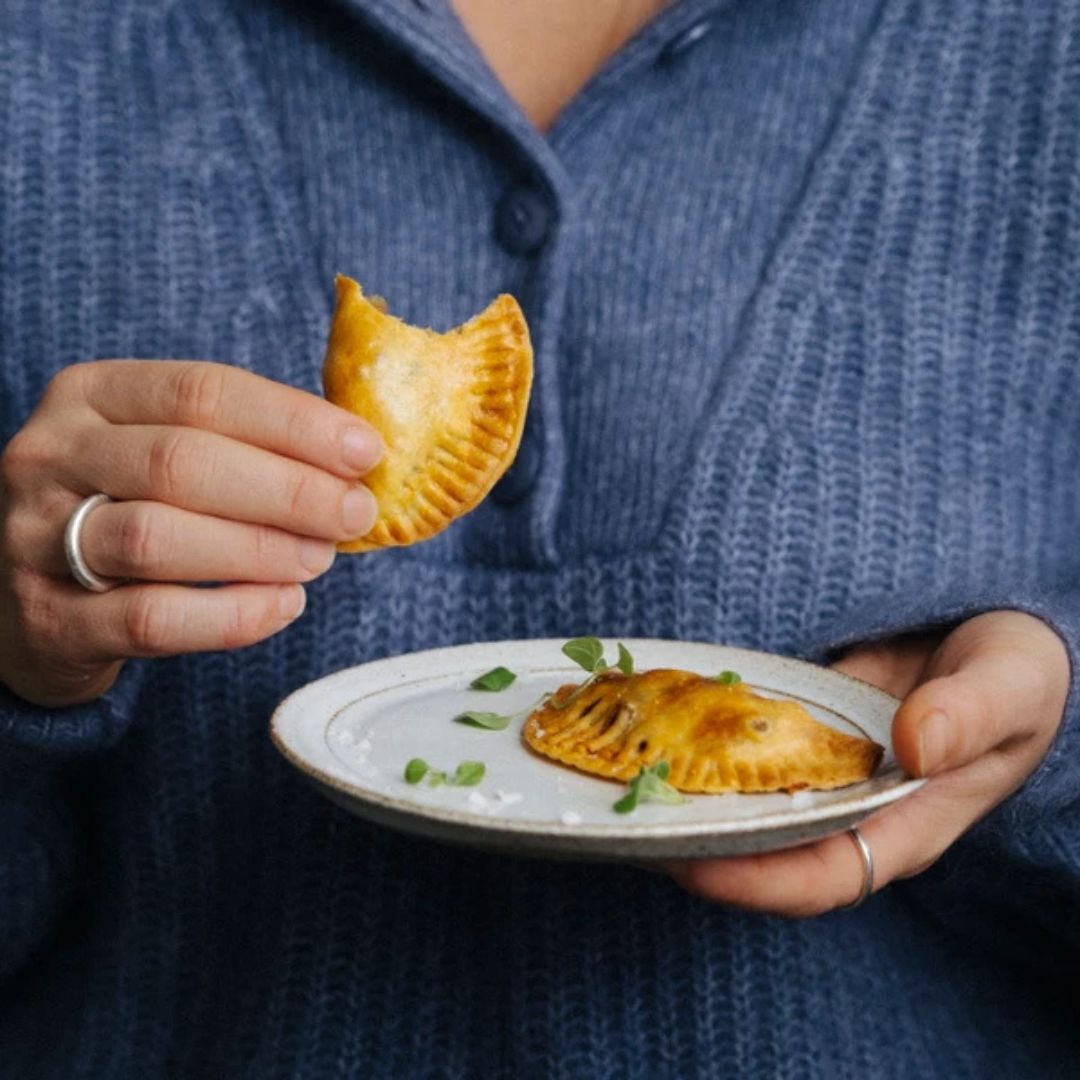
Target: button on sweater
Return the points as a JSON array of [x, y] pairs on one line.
[[804, 285]]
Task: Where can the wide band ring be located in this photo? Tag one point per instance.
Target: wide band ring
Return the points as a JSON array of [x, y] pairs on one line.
[[868, 869], [73, 551]]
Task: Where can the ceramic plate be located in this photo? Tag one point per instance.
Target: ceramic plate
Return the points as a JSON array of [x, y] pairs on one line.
[[352, 733]]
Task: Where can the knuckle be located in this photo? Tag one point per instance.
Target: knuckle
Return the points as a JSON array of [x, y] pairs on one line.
[[233, 627], [243, 624], [148, 623], [198, 389], [23, 460], [299, 423], [39, 612], [168, 463], [136, 543], [266, 547], [300, 496], [19, 539], [11, 536], [25, 588], [12, 459], [66, 383]]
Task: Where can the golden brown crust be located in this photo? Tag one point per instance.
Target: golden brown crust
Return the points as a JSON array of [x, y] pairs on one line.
[[716, 738], [450, 408]]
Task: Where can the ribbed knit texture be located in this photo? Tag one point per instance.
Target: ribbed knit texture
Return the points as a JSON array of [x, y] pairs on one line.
[[808, 373]]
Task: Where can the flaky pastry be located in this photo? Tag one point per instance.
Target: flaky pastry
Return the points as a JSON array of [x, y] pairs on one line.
[[716, 738], [450, 408]]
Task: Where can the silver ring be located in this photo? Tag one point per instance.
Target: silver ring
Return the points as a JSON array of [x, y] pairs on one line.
[[868, 869], [72, 534]]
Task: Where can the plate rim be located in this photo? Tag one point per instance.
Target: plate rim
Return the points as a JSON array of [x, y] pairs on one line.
[[617, 831]]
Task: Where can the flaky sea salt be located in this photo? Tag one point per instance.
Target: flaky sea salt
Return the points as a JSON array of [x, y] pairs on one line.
[[494, 803], [352, 742], [570, 817]]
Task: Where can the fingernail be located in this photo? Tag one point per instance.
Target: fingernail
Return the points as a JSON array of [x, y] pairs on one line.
[[361, 448], [317, 555], [933, 741], [358, 511], [292, 600]]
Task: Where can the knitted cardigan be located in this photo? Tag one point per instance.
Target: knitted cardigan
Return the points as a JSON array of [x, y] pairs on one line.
[[804, 285]]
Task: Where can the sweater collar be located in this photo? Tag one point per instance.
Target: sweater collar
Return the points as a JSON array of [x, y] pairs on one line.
[[432, 34]]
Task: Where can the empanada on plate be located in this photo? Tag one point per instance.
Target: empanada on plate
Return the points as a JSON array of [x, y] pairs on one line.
[[716, 738], [449, 407]]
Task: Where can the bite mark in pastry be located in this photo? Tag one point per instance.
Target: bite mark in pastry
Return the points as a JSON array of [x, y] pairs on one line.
[[450, 408]]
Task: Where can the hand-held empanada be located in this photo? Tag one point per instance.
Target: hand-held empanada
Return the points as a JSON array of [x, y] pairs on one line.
[[716, 738], [450, 408]]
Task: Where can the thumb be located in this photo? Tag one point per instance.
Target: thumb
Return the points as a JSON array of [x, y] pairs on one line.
[[992, 689]]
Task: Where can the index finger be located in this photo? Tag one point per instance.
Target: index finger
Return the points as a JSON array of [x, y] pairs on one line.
[[237, 403]]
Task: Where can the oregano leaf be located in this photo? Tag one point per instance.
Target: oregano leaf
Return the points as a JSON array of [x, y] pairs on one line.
[[488, 720], [629, 801], [587, 652], [650, 785], [498, 678], [469, 773], [416, 770]]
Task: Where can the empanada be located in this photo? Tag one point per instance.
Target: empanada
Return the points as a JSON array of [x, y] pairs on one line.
[[449, 407], [716, 738]]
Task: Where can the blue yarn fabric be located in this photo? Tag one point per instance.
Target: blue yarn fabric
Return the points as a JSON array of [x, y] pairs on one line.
[[804, 286]]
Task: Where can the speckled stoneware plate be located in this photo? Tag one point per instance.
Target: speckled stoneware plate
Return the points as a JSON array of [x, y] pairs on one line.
[[353, 732]]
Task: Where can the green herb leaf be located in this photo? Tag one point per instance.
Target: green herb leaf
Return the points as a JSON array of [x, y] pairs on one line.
[[728, 678], [416, 770], [654, 786], [561, 703], [587, 652], [496, 679], [436, 778], [650, 785], [625, 662], [469, 773], [489, 720]]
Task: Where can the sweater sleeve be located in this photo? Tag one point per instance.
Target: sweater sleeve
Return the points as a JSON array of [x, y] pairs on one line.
[[1014, 878], [40, 852]]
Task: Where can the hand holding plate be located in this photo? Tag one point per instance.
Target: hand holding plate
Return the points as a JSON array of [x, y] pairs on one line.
[[981, 707]]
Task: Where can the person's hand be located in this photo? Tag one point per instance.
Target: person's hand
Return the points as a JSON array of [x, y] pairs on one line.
[[221, 476], [980, 709]]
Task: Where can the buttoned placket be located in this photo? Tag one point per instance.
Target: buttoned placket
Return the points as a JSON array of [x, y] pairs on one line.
[[534, 220]]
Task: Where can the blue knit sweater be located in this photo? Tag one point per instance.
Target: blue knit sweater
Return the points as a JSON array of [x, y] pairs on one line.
[[804, 283]]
